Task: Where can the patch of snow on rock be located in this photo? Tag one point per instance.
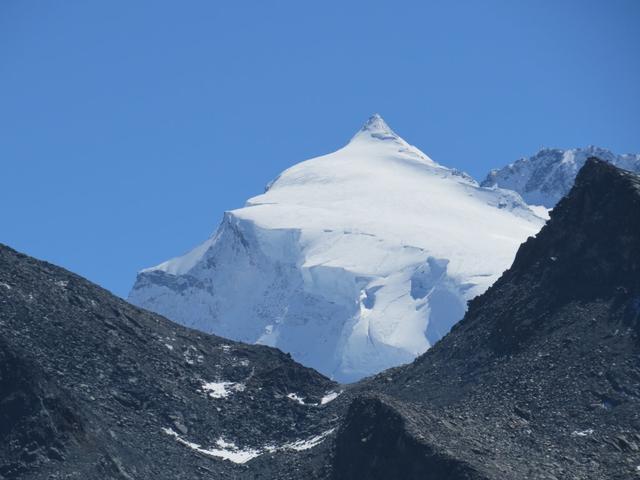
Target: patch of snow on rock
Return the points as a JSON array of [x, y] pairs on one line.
[[192, 355], [329, 397], [296, 398], [300, 445], [229, 451], [582, 433], [226, 450], [221, 389]]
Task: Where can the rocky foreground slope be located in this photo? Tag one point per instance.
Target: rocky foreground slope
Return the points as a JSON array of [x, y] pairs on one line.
[[92, 387], [540, 380]]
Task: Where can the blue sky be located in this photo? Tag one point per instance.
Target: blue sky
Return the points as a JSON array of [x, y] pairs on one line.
[[127, 128]]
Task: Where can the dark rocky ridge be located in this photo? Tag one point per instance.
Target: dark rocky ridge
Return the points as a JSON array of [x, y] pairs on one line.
[[89, 382], [540, 380]]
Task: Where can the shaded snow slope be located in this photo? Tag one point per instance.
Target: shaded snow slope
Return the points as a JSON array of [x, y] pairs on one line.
[[547, 176], [353, 262]]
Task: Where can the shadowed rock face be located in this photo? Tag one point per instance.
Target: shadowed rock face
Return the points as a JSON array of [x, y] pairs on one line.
[[89, 386], [588, 252], [540, 380], [37, 423], [377, 442]]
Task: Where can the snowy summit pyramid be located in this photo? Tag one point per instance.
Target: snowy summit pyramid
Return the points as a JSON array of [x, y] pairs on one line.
[[376, 127], [353, 262]]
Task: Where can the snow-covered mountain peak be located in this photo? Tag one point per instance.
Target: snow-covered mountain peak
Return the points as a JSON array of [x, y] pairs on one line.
[[377, 128], [353, 261], [377, 140]]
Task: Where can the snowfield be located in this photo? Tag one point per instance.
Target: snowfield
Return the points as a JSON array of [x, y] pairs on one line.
[[353, 262]]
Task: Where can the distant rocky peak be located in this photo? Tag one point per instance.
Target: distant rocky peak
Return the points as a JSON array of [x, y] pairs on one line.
[[547, 176]]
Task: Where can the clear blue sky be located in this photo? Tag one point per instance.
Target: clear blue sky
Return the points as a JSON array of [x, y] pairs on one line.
[[128, 127]]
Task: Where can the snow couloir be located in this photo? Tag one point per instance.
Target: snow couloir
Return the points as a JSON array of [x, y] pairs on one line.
[[353, 262]]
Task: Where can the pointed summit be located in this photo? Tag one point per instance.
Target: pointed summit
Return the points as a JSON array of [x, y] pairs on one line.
[[376, 124], [376, 134], [377, 128]]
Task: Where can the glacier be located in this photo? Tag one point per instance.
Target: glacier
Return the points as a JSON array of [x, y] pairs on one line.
[[352, 262]]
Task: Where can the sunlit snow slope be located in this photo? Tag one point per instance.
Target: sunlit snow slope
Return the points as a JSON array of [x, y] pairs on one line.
[[353, 262]]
